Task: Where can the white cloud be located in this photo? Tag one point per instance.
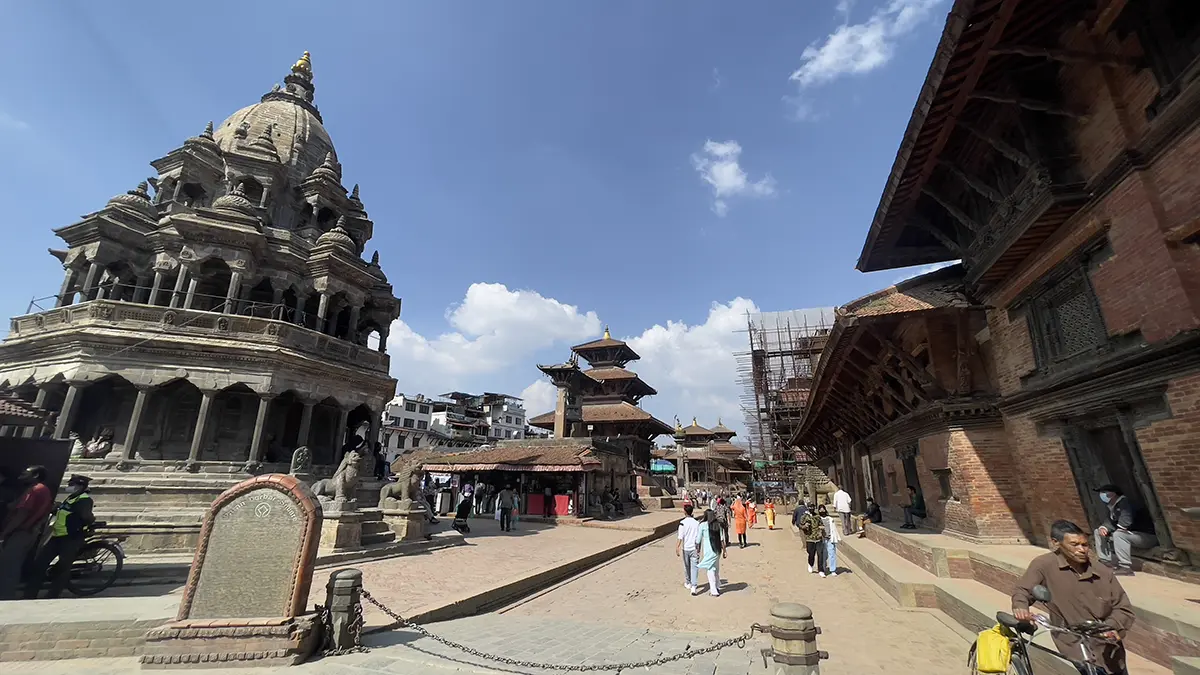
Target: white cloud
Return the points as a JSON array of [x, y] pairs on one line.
[[716, 80], [718, 165], [860, 48], [539, 397], [493, 328], [11, 123]]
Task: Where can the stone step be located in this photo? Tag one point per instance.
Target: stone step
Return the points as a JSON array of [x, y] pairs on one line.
[[1186, 665], [375, 538], [970, 603]]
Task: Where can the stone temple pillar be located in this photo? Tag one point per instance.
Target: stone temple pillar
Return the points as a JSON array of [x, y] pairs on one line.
[[191, 293], [383, 338], [322, 310], [260, 422], [66, 294], [135, 420], [70, 406], [201, 426], [155, 288], [231, 295], [305, 423], [339, 432], [352, 330], [89, 281], [180, 280]]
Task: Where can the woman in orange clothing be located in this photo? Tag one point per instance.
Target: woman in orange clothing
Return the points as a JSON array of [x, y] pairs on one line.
[[770, 510], [752, 512], [740, 517]]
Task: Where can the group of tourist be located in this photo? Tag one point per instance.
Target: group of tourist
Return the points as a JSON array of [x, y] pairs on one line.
[[703, 540], [26, 505]]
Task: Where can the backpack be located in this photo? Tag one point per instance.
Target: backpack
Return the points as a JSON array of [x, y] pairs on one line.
[[993, 650]]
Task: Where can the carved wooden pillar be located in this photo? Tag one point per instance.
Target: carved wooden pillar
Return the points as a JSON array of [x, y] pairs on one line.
[[180, 280], [231, 295], [201, 426], [89, 281], [66, 294], [260, 422], [155, 288], [135, 420], [70, 407], [305, 423]]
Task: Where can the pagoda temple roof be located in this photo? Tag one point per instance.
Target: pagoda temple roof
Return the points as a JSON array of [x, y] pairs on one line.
[[695, 429], [637, 386], [607, 412], [606, 351], [721, 429]]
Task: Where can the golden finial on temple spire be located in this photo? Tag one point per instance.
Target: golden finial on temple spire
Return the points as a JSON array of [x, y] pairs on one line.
[[694, 423], [303, 66], [607, 335]]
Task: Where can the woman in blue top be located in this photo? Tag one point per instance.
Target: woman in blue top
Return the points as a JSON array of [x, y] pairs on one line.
[[709, 543]]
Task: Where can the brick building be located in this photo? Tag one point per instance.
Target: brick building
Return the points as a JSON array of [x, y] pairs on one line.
[[1052, 151]]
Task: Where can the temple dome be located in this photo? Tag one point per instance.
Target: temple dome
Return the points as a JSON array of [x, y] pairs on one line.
[[339, 237], [298, 133], [235, 201], [137, 200]]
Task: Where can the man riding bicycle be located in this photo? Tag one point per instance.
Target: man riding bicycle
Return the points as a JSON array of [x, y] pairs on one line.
[[1080, 591], [67, 536]]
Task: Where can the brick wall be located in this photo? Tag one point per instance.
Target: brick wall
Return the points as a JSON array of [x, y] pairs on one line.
[[1171, 449], [1047, 483], [986, 485]]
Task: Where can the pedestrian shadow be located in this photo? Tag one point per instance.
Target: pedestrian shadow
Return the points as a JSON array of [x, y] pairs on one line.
[[733, 588]]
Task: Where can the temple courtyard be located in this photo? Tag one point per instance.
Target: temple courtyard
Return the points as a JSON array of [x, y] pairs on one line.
[[632, 607]]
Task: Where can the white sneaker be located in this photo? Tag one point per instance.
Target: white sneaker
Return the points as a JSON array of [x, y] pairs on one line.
[[715, 594], [833, 574], [688, 586], [822, 574], [695, 590], [810, 569]]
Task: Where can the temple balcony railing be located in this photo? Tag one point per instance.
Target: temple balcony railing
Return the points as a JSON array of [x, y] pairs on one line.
[[140, 319]]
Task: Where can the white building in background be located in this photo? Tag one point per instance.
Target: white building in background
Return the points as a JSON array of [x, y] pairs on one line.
[[505, 417], [406, 422]]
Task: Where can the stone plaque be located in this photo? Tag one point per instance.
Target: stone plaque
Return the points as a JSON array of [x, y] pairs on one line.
[[257, 552]]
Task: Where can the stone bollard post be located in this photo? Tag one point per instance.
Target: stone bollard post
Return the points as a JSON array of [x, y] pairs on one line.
[[794, 640], [343, 597]]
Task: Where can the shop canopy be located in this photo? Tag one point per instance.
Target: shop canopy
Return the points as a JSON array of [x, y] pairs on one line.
[[531, 455], [661, 466]]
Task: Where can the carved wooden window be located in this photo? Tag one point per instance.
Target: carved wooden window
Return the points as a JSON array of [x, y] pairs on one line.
[[1065, 321]]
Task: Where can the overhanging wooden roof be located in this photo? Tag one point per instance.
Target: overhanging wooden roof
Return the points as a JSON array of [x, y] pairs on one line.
[[968, 54], [553, 455]]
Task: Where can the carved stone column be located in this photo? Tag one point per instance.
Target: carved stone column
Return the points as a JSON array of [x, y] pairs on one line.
[[155, 288], [383, 338], [322, 309], [373, 430], [352, 329], [89, 281], [301, 299], [39, 402], [260, 423], [141, 291], [135, 421], [231, 295], [339, 433], [70, 407], [66, 294], [180, 280], [305, 423], [201, 426], [191, 293]]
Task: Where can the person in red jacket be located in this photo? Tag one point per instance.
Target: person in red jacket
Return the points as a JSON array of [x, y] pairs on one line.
[[22, 525]]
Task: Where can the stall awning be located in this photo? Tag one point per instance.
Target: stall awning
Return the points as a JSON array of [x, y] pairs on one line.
[[661, 466], [553, 455]]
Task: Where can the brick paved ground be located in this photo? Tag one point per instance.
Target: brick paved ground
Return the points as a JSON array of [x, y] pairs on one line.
[[490, 558], [635, 608]]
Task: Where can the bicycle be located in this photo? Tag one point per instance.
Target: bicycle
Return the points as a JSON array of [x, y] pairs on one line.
[[1021, 663], [98, 564]]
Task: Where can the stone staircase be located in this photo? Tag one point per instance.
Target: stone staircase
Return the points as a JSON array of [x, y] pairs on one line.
[[971, 582], [374, 530], [654, 496]]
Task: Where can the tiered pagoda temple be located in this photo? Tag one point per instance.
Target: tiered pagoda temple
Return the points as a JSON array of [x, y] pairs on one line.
[[707, 458]]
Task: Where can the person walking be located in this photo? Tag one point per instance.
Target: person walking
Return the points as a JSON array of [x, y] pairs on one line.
[[751, 513], [724, 515], [548, 504], [770, 513], [814, 539], [711, 551], [832, 538], [685, 547], [68, 533], [841, 504], [740, 519], [506, 503], [22, 524]]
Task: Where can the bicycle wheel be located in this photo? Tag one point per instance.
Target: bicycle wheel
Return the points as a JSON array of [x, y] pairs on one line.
[[96, 568]]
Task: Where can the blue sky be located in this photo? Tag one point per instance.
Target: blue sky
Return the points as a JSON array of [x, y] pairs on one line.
[[535, 170]]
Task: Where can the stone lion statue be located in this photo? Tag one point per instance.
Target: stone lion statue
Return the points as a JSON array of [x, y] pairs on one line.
[[400, 494], [342, 485]]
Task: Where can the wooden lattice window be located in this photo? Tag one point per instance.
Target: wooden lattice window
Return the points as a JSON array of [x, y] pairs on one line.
[[1065, 321]]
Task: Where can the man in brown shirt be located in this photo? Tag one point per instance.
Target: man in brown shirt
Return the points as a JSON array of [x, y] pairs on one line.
[[1080, 591]]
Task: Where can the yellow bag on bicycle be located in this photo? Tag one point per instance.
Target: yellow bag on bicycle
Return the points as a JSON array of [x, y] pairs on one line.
[[993, 651]]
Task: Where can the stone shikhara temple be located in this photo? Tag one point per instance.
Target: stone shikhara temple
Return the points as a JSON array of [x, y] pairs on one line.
[[206, 331]]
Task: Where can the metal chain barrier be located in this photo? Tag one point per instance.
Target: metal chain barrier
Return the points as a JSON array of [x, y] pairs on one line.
[[739, 642], [327, 648]]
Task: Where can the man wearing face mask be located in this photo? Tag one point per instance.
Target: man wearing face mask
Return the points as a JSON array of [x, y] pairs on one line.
[[1128, 527]]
